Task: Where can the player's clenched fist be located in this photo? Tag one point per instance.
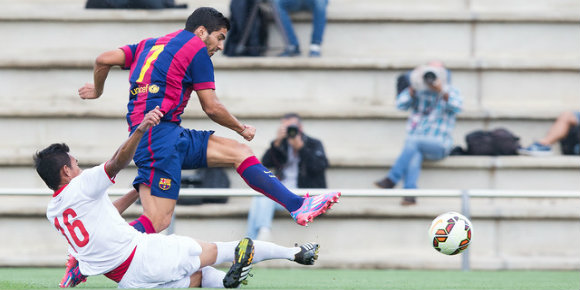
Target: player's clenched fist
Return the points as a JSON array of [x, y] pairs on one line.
[[248, 133], [88, 92], [152, 118]]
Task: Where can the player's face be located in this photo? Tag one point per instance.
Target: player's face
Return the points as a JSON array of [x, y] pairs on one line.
[[75, 170], [215, 41]]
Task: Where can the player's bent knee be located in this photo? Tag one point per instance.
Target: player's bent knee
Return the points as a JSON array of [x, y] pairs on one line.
[[244, 151], [209, 253]]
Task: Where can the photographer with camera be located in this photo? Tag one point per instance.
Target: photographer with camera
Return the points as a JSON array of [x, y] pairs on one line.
[[434, 104], [298, 161]]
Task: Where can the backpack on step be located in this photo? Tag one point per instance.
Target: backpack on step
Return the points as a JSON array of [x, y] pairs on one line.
[[496, 142]]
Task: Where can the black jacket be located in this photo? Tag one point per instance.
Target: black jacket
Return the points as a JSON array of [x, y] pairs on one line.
[[311, 167]]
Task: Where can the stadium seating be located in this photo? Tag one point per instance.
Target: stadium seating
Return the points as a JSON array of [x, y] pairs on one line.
[[516, 63]]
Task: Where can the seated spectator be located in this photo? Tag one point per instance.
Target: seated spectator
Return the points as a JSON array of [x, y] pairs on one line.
[[298, 160], [248, 34], [561, 128], [434, 104], [318, 8]]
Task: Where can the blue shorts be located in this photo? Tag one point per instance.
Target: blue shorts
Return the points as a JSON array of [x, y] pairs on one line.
[[163, 152]]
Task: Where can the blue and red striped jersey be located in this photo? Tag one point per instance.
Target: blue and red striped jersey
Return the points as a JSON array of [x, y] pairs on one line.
[[163, 72]]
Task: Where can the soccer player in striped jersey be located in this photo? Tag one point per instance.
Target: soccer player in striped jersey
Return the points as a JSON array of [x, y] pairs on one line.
[[103, 243], [164, 71]]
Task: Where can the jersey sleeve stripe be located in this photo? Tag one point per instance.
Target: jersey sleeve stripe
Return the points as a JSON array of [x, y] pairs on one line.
[[204, 86], [129, 54], [111, 178]]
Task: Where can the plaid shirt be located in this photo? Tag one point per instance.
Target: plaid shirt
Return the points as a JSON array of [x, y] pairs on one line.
[[431, 115]]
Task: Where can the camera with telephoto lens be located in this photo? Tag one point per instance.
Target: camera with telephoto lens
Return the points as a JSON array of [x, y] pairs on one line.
[[424, 77], [291, 131], [429, 77]]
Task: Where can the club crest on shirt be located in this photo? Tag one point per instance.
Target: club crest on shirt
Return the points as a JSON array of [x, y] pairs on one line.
[[165, 183], [153, 89]]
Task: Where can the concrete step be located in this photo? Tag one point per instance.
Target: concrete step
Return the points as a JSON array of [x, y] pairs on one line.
[[275, 86], [354, 6], [444, 36], [348, 141], [423, 38], [336, 9], [455, 30], [374, 232], [519, 173], [354, 163]]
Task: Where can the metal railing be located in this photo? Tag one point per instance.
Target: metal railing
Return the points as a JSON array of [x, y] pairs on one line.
[[359, 192], [465, 196]]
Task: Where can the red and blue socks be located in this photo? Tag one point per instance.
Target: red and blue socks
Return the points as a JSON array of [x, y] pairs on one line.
[[143, 224], [262, 180]]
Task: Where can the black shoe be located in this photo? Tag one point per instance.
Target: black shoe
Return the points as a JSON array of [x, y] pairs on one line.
[[314, 53], [290, 51], [240, 270], [408, 200], [385, 183], [307, 255]]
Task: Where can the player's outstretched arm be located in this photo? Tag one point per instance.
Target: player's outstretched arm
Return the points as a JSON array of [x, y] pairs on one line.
[[123, 202], [103, 65], [218, 113], [125, 153]]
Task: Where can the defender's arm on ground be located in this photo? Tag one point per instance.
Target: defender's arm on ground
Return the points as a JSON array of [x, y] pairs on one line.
[[218, 113], [103, 65]]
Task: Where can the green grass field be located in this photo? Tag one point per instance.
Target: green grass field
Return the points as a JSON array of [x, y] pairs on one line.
[[48, 278]]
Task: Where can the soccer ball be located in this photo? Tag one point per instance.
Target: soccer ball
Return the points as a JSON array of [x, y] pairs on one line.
[[451, 233]]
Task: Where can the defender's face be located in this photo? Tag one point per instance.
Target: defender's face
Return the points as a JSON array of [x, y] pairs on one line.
[[74, 168], [215, 40]]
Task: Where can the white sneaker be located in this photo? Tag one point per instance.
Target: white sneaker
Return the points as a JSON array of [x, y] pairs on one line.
[[536, 149]]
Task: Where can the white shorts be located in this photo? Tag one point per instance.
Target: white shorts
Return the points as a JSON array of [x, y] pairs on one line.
[[162, 261]]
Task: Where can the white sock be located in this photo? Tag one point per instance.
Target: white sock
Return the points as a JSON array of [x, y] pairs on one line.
[[225, 251], [212, 277], [262, 251], [269, 251]]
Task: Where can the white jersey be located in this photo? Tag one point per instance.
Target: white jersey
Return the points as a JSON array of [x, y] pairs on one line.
[[99, 238]]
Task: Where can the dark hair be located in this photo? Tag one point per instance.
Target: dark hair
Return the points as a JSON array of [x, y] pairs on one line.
[[207, 17], [292, 115], [49, 161]]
